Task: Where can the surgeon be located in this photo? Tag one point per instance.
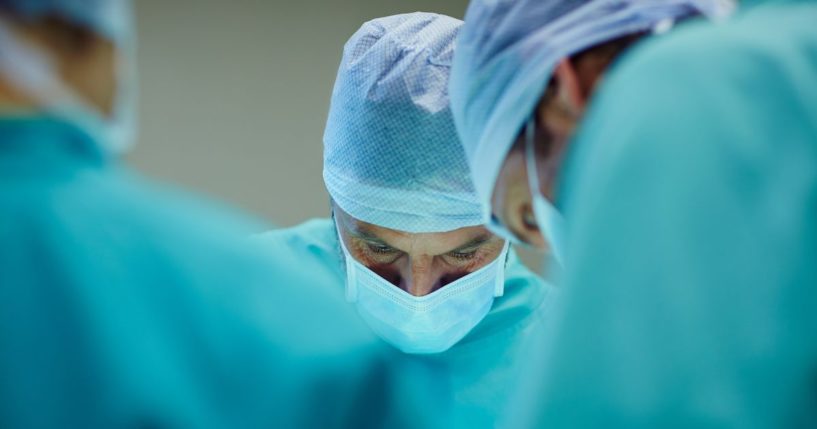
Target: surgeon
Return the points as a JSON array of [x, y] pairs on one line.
[[690, 192], [127, 304], [523, 76], [406, 244]]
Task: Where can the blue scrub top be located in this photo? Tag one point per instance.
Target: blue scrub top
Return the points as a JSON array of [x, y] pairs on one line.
[[691, 193], [477, 375], [124, 303]]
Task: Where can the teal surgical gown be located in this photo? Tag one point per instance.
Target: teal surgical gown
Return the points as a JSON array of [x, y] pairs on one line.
[[691, 192], [125, 304], [477, 375]]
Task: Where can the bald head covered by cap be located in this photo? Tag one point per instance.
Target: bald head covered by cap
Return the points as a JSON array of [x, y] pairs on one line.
[[508, 49], [391, 152]]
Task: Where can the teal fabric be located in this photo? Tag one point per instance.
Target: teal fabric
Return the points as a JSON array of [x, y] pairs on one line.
[[477, 375], [127, 304], [691, 298]]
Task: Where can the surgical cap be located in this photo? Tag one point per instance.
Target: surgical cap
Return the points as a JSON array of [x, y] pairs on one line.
[[108, 18], [508, 49], [391, 153]]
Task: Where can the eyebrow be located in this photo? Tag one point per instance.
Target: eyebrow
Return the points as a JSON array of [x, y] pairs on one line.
[[476, 242], [368, 236]]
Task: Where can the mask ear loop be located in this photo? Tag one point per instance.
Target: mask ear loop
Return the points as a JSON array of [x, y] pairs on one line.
[[351, 280], [351, 271], [546, 210], [530, 160], [28, 68], [502, 260]]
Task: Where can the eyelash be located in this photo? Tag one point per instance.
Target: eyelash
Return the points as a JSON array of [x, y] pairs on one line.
[[464, 255], [380, 250]]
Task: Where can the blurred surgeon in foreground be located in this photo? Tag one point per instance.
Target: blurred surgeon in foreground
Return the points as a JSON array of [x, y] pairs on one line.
[[127, 304], [690, 193], [406, 242]]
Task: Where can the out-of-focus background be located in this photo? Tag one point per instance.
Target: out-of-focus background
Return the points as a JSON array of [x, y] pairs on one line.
[[234, 96]]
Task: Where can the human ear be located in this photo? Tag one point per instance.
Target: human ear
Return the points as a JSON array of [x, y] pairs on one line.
[[569, 91]]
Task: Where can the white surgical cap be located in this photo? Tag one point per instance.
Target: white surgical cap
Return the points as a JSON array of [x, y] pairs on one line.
[[506, 54], [108, 18], [391, 153]]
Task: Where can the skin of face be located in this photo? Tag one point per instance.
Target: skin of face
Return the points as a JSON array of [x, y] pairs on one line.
[[556, 118], [418, 263], [84, 61]]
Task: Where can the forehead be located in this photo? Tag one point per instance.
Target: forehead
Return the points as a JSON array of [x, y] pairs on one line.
[[434, 243]]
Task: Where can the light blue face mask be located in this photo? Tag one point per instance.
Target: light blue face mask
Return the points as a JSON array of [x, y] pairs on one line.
[[429, 324], [550, 221], [31, 71]]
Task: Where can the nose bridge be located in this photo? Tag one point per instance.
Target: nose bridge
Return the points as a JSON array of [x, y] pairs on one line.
[[421, 278]]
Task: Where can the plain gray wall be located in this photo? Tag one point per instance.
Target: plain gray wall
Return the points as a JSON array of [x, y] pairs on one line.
[[234, 94]]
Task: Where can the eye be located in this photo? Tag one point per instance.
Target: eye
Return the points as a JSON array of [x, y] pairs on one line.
[[380, 249], [464, 256]]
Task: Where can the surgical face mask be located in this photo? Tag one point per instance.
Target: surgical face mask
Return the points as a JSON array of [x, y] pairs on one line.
[[31, 71], [427, 324], [550, 221], [497, 228]]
